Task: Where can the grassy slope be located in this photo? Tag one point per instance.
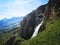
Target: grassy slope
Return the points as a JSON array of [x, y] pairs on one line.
[[6, 36], [50, 36]]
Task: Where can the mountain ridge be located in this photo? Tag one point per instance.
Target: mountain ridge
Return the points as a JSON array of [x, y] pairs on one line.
[[11, 23]]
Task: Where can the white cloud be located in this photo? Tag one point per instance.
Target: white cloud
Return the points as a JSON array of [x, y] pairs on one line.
[[19, 2], [18, 7], [13, 9]]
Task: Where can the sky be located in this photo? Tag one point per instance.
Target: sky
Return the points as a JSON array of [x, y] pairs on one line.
[[17, 8]]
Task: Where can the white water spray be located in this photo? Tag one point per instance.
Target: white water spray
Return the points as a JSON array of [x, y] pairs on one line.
[[36, 30]]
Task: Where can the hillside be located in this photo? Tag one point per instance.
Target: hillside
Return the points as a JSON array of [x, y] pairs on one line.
[[50, 36], [10, 37]]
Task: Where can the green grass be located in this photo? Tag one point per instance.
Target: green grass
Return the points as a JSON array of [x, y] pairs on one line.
[[50, 36]]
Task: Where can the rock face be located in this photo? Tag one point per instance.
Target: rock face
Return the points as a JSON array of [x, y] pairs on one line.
[[52, 10], [44, 12], [30, 22]]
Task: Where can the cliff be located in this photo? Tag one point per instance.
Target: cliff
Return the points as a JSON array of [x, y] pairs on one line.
[[47, 12]]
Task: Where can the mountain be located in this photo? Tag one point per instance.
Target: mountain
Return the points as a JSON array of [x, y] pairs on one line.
[[46, 12], [48, 31], [10, 23]]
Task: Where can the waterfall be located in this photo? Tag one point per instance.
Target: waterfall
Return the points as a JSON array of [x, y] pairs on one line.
[[36, 30]]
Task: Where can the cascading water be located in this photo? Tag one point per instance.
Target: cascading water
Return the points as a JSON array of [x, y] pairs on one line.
[[37, 29]]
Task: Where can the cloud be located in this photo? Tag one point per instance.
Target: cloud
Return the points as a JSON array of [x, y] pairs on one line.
[[13, 9], [19, 2]]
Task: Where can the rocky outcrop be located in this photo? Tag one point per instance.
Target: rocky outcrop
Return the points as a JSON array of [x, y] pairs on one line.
[[52, 10], [45, 12], [30, 22]]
